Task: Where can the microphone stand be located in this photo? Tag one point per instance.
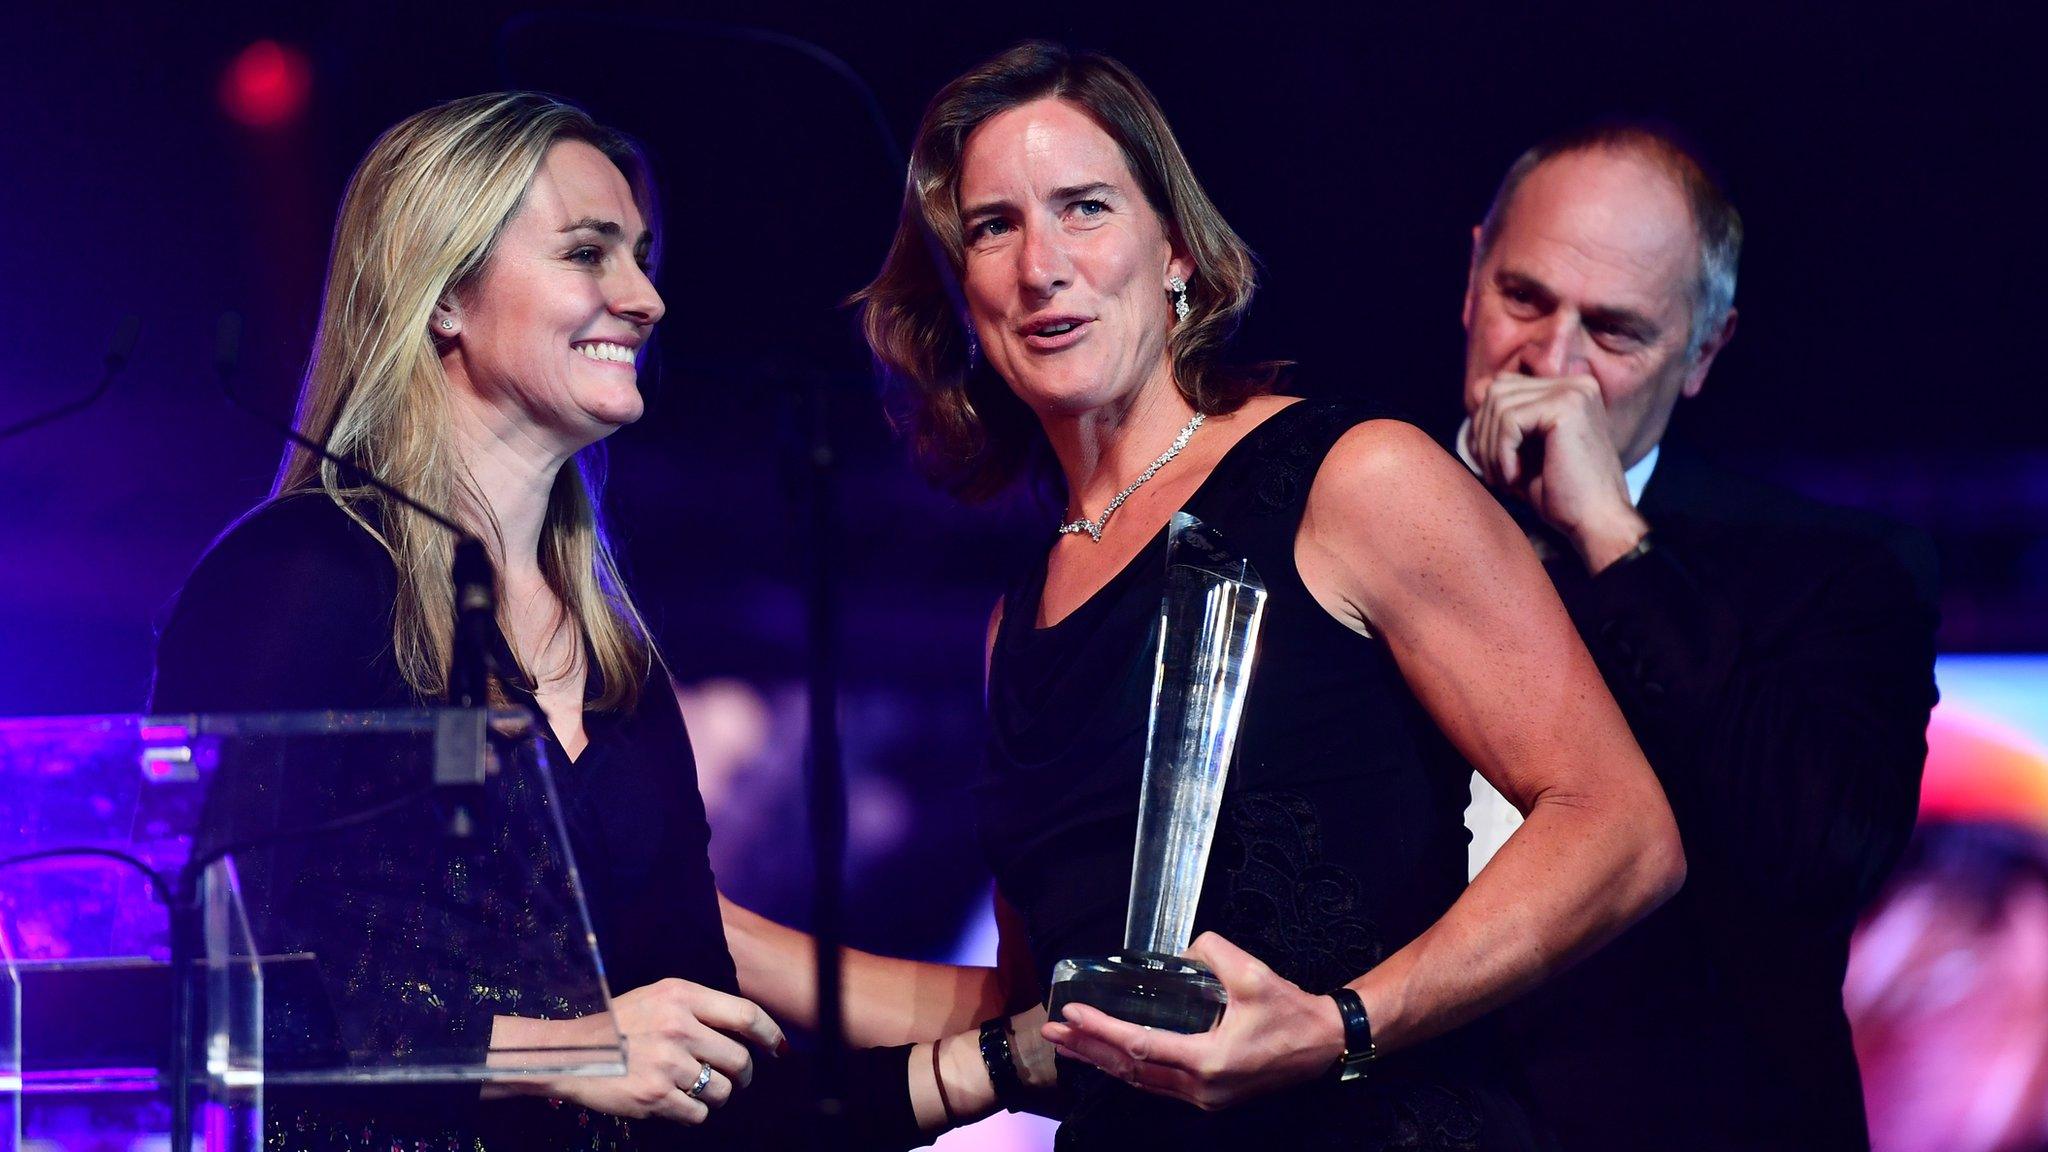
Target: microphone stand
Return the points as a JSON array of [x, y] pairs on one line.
[[826, 780]]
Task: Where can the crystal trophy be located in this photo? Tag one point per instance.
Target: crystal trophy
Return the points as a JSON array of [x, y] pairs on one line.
[[1208, 631]]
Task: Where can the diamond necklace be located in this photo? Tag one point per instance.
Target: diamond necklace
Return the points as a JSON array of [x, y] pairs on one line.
[[1094, 527]]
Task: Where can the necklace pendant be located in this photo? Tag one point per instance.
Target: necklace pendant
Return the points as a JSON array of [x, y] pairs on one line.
[[1094, 527]]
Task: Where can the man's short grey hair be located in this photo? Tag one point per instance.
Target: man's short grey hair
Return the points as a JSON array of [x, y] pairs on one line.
[[1714, 218]]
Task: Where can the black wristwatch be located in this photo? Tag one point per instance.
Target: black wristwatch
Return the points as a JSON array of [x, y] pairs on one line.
[[1358, 1047], [999, 1057]]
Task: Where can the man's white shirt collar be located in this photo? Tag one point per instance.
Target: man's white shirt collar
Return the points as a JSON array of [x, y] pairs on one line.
[[1637, 478]]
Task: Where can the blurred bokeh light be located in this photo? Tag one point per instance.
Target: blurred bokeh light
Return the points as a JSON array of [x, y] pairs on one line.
[[266, 85]]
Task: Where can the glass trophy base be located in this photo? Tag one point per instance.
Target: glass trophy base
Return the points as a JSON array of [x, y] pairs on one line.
[[1166, 992]]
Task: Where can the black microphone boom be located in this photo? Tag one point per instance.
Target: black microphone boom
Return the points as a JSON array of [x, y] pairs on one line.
[[475, 583], [118, 351], [227, 353]]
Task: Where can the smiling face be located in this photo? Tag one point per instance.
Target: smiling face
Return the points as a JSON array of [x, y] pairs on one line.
[[1066, 262], [1592, 273], [548, 337]]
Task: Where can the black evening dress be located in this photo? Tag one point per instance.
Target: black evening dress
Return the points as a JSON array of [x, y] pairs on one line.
[[1341, 836], [291, 610]]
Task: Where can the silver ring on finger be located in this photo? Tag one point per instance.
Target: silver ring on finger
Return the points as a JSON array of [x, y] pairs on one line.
[[703, 1081]]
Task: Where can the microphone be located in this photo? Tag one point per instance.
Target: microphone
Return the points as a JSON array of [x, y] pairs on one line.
[[118, 351], [461, 757]]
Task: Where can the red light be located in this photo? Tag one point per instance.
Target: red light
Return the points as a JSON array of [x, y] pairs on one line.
[[266, 85]]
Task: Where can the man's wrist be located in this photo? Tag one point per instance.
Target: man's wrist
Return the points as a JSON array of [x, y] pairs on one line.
[[1601, 544]]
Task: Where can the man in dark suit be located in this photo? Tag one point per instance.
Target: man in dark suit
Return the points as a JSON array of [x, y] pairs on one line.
[[1774, 657]]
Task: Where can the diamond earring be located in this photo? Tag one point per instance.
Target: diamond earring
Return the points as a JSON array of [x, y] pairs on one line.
[[1178, 289], [449, 325]]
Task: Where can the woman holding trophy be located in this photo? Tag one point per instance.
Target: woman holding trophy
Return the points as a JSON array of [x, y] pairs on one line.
[[1407, 631]]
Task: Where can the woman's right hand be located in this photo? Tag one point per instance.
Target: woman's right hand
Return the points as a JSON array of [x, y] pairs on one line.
[[673, 1029]]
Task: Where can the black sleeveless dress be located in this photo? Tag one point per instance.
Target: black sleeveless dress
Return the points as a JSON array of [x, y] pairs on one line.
[[1341, 836]]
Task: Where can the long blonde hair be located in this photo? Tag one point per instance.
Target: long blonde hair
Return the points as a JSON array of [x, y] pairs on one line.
[[419, 221]]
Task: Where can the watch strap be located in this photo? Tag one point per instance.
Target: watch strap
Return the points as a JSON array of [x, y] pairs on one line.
[[1359, 1051], [999, 1058]]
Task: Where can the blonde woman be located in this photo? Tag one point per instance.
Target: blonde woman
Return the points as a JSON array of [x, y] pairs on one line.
[[487, 303]]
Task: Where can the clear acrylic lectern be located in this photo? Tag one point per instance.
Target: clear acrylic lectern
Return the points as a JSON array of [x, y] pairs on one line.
[[359, 893]]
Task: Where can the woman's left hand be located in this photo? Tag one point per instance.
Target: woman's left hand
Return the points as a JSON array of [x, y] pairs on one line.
[[1273, 1035]]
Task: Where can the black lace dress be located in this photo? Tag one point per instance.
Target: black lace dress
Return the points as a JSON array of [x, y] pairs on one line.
[[1341, 836]]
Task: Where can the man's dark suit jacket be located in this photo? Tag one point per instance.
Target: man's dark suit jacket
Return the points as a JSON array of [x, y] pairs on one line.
[[1774, 658]]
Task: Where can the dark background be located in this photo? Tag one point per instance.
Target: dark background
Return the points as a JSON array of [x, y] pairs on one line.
[[1885, 160]]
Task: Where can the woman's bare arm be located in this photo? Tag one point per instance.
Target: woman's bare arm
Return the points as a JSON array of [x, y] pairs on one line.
[[1399, 542], [888, 1001], [1400, 539]]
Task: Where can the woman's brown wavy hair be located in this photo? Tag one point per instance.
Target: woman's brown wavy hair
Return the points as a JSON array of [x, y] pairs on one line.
[[971, 435]]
